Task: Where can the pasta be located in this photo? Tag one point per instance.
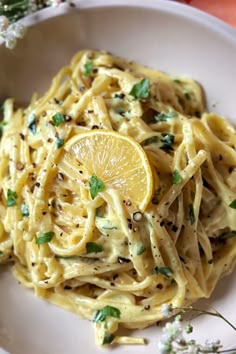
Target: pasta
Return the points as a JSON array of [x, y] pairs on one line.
[[98, 255]]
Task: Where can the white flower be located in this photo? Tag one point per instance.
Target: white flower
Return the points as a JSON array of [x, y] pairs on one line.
[[54, 3], [174, 330], [164, 348], [10, 40], [4, 23], [32, 6], [166, 310], [11, 33], [18, 30], [193, 349], [213, 344]]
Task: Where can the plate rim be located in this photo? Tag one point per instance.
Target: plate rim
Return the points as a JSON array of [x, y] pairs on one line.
[[168, 6]]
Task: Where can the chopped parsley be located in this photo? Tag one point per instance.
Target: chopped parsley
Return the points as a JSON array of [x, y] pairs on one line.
[[32, 123], [109, 227], [140, 90], [152, 140], [227, 235], [68, 257], [92, 247], [176, 178], [107, 311], [167, 141], [2, 125], [187, 96], [88, 68], [45, 238], [60, 142], [1, 254], [24, 210], [96, 186], [177, 81], [139, 248], [163, 117], [191, 214], [58, 118], [233, 204], [11, 198], [167, 272], [108, 338]]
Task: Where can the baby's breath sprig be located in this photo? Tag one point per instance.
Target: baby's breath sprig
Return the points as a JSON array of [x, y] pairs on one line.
[[12, 11], [173, 339]]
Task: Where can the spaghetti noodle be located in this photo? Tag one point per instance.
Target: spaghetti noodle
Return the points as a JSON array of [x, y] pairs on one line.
[[97, 255]]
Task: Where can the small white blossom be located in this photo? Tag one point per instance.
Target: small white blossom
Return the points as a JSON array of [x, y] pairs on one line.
[[18, 30], [213, 344], [32, 6], [12, 33], [164, 348], [166, 310], [174, 330], [54, 3], [4, 23]]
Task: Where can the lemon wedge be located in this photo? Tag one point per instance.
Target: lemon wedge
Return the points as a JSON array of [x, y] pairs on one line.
[[117, 160]]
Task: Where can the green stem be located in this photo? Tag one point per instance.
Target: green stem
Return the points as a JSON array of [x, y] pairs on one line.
[[227, 321], [215, 314]]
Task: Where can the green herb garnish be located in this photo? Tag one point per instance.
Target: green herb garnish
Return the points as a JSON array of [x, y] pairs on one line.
[[191, 214], [163, 117], [176, 178], [68, 257], [152, 140], [210, 261], [187, 96], [24, 210], [96, 186], [167, 141], [32, 123], [45, 238], [109, 227], [2, 125], [140, 90], [139, 248], [60, 142], [92, 247], [11, 198], [107, 311], [108, 338], [167, 272], [58, 118], [227, 235], [177, 81], [88, 68], [1, 254], [233, 204]]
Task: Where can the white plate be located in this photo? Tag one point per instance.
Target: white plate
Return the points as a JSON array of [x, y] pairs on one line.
[[164, 35]]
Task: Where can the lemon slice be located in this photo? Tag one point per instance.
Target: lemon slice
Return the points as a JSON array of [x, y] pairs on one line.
[[117, 160]]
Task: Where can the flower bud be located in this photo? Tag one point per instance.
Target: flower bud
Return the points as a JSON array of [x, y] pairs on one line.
[[4, 23]]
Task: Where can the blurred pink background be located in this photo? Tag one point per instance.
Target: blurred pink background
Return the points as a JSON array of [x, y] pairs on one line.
[[223, 9]]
